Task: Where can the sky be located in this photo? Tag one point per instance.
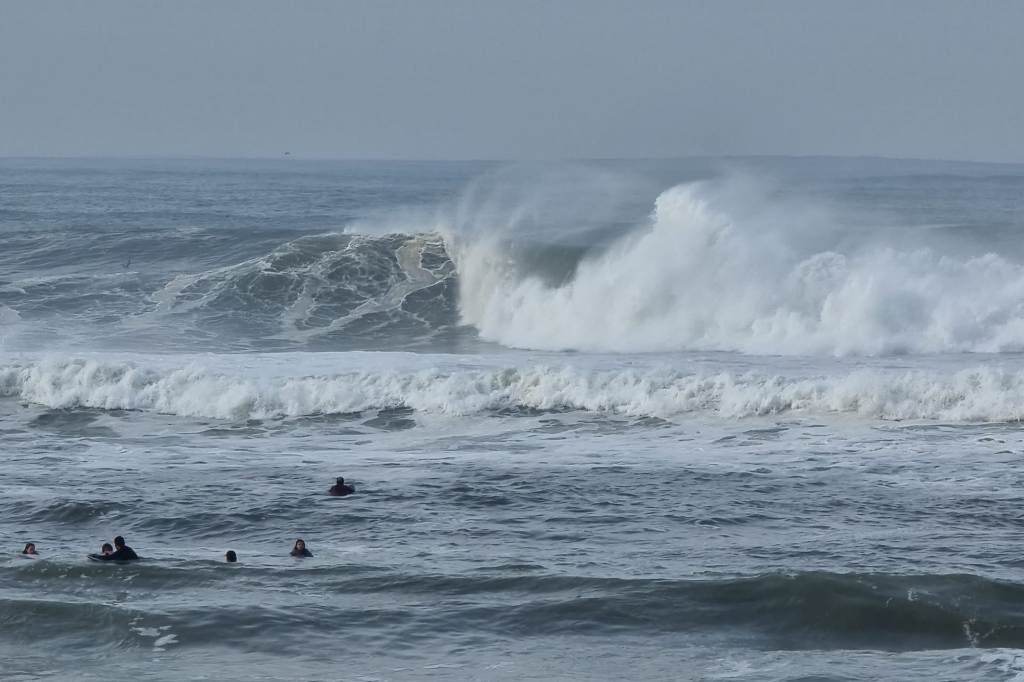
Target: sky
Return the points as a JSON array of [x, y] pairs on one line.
[[523, 79]]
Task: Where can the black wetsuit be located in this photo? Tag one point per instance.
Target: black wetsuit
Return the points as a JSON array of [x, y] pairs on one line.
[[341, 490], [304, 552], [125, 553]]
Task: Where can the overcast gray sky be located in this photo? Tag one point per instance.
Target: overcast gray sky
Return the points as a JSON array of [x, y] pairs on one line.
[[443, 79]]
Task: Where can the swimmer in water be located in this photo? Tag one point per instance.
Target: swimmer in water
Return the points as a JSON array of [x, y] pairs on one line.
[[30, 548], [106, 549], [340, 488], [122, 552], [231, 557], [300, 549]]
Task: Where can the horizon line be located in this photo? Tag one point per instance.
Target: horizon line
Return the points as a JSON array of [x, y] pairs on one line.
[[381, 159]]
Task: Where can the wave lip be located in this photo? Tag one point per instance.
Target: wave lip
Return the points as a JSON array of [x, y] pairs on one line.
[[971, 395]]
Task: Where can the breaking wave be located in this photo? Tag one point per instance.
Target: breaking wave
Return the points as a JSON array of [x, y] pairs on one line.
[[716, 266], [711, 272], [970, 395]]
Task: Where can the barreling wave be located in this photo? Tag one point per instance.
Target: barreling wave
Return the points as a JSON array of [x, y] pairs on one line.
[[327, 291], [333, 287], [971, 395]]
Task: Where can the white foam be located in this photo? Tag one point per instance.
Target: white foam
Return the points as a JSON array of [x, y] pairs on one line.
[[225, 388], [715, 272]]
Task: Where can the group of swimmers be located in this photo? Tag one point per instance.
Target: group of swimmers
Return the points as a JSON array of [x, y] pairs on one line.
[[122, 552]]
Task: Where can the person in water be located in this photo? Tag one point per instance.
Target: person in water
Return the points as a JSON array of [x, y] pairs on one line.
[[106, 549], [122, 552], [300, 549], [340, 488], [231, 557], [30, 548]]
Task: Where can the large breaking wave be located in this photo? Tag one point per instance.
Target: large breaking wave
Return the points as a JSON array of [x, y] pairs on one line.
[[715, 266], [244, 391], [763, 279]]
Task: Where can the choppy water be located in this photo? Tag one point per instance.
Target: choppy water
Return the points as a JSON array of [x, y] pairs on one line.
[[746, 419]]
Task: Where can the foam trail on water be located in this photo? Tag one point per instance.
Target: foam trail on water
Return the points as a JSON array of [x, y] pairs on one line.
[[709, 273], [10, 324], [978, 394]]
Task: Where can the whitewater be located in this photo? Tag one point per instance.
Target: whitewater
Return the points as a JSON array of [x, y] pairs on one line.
[[266, 387], [701, 419], [698, 278]]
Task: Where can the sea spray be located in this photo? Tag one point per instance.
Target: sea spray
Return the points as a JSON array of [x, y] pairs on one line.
[[699, 278]]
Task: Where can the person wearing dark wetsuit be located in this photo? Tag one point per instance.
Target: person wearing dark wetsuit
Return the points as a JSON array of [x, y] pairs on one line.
[[231, 557], [122, 552], [300, 550], [340, 488]]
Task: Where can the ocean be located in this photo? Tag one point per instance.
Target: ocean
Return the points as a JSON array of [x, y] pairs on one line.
[[703, 419]]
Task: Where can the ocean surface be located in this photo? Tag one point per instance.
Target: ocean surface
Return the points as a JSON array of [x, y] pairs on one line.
[[713, 419]]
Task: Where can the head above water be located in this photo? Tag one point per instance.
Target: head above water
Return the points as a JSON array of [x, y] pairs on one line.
[[340, 480], [30, 548], [119, 542], [300, 545], [106, 548], [230, 556]]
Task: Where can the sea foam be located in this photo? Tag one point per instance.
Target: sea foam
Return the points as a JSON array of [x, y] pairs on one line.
[[977, 394]]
